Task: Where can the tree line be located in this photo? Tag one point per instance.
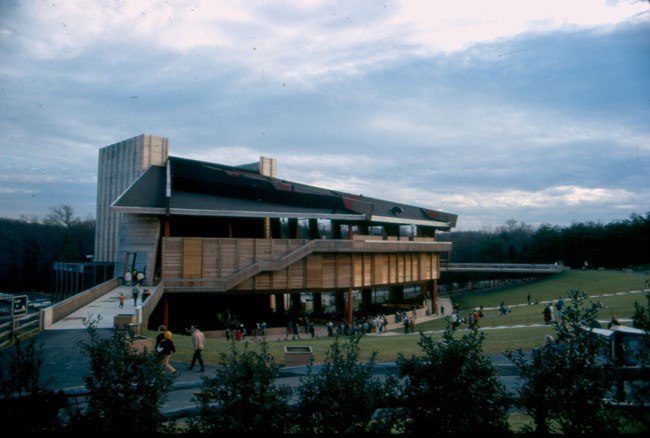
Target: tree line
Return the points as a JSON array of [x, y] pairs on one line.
[[30, 246]]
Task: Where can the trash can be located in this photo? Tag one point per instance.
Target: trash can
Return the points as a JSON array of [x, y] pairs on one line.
[[134, 329]]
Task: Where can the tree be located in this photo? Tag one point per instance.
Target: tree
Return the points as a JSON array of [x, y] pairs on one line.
[[243, 397], [565, 383], [639, 390], [453, 388], [62, 216], [127, 386], [343, 395]]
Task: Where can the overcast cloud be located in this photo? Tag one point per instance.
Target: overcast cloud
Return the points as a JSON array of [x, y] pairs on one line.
[[537, 111]]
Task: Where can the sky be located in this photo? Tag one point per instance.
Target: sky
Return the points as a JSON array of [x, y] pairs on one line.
[[536, 112]]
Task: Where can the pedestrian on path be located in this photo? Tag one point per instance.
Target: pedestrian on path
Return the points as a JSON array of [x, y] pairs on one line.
[[198, 342], [121, 297], [296, 332], [135, 292], [547, 314], [160, 336], [140, 278], [165, 350], [127, 278]]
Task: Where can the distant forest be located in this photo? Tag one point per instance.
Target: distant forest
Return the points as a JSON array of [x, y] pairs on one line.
[[29, 247]]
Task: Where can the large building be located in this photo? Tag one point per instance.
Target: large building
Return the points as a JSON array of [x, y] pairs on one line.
[[216, 239]]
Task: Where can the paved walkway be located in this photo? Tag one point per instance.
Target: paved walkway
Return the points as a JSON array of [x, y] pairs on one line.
[[106, 307]]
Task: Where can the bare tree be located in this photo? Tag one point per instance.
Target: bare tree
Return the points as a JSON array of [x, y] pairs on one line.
[[62, 215]]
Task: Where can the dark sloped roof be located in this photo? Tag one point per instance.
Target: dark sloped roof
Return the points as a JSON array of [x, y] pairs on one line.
[[210, 189]]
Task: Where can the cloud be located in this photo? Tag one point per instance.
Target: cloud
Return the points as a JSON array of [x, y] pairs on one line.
[[509, 109]]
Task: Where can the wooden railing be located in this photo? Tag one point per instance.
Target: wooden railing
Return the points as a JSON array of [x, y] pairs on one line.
[[263, 262], [18, 328], [533, 268]]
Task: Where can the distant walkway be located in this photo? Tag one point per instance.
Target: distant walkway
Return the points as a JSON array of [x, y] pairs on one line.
[[106, 308]]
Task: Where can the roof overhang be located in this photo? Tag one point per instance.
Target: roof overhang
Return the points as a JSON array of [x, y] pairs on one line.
[[193, 188], [395, 220]]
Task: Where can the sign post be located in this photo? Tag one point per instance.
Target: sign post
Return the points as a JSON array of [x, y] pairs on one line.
[[18, 308], [19, 305]]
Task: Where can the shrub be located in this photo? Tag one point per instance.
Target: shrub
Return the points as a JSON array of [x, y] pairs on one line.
[[453, 388], [343, 395], [126, 386], [564, 384], [243, 397]]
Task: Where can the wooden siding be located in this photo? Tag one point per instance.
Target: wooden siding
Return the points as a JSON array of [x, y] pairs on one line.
[[192, 258], [272, 265]]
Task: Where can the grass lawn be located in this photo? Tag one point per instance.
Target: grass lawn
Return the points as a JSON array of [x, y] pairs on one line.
[[522, 328]]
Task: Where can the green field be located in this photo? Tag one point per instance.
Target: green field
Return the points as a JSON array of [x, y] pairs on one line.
[[522, 328]]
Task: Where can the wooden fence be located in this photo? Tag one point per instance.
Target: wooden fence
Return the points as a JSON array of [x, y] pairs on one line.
[[18, 328]]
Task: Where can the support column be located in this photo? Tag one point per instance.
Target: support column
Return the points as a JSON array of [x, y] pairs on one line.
[[317, 302], [349, 309], [434, 297], [313, 229], [293, 228], [276, 228], [336, 230], [366, 300], [296, 305], [272, 305], [339, 301], [165, 317]]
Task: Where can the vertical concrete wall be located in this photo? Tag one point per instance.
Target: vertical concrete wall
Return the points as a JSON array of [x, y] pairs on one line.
[[120, 164]]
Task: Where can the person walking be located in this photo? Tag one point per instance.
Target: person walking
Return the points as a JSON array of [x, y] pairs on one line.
[[165, 350], [160, 336], [127, 278], [296, 332], [559, 306], [140, 278], [135, 292], [547, 314], [121, 297], [198, 342]]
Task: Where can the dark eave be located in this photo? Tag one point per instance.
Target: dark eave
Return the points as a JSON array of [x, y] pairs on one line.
[[195, 188]]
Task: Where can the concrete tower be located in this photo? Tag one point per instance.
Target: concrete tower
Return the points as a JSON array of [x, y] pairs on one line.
[[120, 164]]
